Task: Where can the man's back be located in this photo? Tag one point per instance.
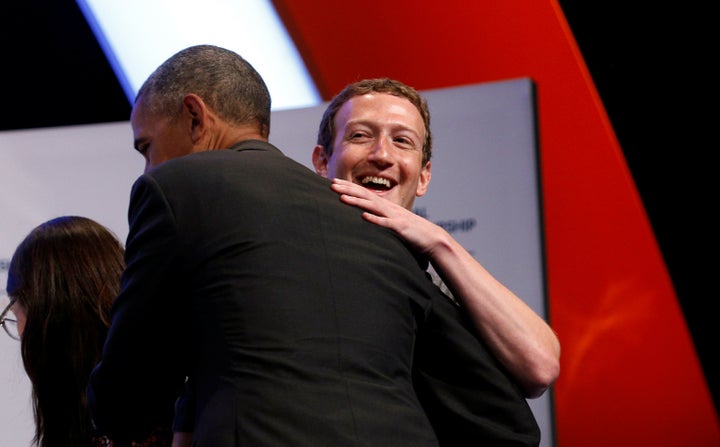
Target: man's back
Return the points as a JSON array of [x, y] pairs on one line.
[[301, 316]]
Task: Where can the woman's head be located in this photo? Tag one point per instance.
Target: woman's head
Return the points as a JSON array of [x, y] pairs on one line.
[[66, 264]]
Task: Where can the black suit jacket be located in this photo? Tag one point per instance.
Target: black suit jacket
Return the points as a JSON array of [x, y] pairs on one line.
[[295, 318]]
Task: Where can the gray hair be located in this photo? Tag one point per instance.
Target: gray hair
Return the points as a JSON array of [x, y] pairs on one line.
[[225, 81]]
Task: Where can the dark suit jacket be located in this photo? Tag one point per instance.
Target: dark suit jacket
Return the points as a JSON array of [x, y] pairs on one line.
[[295, 318]]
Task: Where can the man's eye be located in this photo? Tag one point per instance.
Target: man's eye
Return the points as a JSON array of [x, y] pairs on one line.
[[405, 142], [356, 136]]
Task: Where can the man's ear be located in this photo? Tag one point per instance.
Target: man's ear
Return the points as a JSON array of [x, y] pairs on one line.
[[197, 115], [424, 181], [320, 160]]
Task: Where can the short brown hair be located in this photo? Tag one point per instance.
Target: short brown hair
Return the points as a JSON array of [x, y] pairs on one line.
[[326, 132]]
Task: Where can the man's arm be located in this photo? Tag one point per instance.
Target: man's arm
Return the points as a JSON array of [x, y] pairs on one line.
[[521, 340], [468, 395], [133, 389]]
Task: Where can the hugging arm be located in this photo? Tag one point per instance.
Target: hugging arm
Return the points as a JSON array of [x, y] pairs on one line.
[[520, 339]]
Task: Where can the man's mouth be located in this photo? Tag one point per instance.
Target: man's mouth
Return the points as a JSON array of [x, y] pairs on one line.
[[376, 183]]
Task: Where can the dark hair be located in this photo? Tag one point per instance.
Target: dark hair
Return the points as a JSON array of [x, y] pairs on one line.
[[326, 132], [227, 83], [65, 274]]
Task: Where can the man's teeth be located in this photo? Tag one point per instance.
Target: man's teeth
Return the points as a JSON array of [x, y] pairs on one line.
[[376, 181]]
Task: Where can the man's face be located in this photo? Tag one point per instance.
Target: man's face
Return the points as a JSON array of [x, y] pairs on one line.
[[157, 138], [378, 144]]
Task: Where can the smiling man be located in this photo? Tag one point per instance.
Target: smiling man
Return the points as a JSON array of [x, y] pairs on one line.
[[375, 141]]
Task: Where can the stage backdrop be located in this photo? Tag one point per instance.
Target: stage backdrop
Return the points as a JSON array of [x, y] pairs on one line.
[[484, 190]]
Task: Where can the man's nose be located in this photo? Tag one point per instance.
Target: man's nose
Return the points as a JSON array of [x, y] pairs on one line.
[[381, 151]]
